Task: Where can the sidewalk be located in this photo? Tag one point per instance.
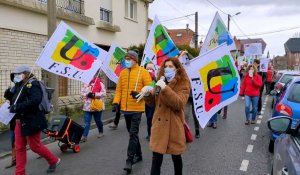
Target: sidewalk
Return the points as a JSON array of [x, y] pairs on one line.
[[5, 146]]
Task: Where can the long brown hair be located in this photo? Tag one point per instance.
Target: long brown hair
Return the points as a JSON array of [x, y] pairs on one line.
[[254, 69], [180, 72]]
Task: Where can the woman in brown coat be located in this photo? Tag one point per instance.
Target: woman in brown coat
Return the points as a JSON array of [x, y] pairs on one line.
[[167, 132]]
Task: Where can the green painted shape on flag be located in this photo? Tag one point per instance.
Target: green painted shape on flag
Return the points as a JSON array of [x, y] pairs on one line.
[[119, 54], [224, 62], [160, 32], [69, 36]]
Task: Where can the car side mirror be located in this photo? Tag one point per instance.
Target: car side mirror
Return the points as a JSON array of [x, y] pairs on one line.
[[280, 124]]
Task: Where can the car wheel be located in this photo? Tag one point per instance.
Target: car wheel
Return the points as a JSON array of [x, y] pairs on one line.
[[271, 146]]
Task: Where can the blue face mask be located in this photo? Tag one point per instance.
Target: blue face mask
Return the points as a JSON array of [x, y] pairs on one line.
[[128, 63], [169, 73]]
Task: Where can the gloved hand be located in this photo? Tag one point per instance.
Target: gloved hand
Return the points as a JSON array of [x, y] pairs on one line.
[[7, 93], [134, 94], [90, 95], [144, 92], [161, 84], [13, 109], [115, 107]]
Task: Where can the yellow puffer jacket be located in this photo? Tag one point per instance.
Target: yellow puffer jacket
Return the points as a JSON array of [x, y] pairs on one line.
[[126, 84]]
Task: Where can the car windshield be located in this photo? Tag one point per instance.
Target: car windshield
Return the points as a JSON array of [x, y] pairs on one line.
[[294, 94], [287, 77]]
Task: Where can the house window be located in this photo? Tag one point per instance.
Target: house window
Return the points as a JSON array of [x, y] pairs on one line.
[[131, 9], [105, 15]]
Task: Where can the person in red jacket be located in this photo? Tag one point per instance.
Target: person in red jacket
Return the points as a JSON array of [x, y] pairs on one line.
[[269, 79], [251, 90]]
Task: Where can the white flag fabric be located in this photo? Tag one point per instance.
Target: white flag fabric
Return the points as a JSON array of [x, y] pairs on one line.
[[217, 35], [114, 62], [159, 45], [68, 54], [215, 82], [253, 49]]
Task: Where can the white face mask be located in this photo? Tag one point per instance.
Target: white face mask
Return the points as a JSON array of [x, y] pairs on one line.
[[18, 78], [251, 73]]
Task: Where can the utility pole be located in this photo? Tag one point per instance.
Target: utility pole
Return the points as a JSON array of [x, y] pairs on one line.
[[228, 22], [196, 30], [52, 79]]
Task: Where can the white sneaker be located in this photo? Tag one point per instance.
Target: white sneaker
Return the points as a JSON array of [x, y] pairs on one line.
[[100, 135]]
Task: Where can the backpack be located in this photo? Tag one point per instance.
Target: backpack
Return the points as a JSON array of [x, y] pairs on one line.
[[45, 104]]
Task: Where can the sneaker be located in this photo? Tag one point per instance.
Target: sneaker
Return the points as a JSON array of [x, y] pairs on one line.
[[224, 117], [100, 135], [214, 125], [247, 122], [83, 139], [258, 112], [148, 138], [52, 168], [128, 167], [210, 125], [113, 126], [253, 122]]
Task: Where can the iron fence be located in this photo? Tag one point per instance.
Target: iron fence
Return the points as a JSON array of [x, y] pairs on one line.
[[71, 88], [76, 6]]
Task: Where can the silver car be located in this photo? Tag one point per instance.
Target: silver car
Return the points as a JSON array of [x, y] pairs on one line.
[[286, 159]]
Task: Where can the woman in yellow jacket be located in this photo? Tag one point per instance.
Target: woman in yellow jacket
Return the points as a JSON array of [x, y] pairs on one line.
[[130, 82]]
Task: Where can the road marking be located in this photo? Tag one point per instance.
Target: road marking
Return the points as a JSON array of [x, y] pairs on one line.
[[260, 116], [262, 112], [258, 121], [264, 105], [253, 137], [249, 149], [244, 165], [263, 109], [256, 128]]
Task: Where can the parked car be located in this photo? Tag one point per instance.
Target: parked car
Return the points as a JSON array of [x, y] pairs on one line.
[[287, 104], [284, 78], [286, 159]]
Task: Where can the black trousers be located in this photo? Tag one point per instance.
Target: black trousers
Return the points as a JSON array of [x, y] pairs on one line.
[[117, 117], [157, 160], [132, 124], [260, 98]]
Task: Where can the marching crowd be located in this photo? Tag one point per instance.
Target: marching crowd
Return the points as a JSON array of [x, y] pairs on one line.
[[165, 98]]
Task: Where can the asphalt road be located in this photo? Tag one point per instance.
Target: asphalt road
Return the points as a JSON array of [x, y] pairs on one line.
[[233, 148]]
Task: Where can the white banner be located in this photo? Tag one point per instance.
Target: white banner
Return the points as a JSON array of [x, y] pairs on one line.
[[68, 54], [159, 45], [215, 82], [264, 62], [114, 62], [253, 49], [217, 35]]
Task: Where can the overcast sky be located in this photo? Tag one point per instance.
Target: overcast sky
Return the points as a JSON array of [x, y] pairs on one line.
[[257, 16]]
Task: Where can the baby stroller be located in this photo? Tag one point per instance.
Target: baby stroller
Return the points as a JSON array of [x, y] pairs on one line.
[[67, 132]]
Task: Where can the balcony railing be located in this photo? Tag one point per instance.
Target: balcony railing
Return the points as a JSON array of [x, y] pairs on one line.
[[76, 6], [105, 15]]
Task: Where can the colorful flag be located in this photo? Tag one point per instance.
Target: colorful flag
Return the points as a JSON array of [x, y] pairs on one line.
[[159, 45], [217, 35], [114, 62], [68, 54], [215, 82]]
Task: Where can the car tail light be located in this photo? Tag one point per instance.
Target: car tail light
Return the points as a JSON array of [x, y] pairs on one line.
[[284, 109]]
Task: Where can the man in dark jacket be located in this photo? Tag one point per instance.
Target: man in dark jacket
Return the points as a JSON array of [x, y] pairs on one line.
[[30, 119]]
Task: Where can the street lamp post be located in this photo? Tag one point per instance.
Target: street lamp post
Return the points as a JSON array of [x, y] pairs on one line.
[[228, 21]]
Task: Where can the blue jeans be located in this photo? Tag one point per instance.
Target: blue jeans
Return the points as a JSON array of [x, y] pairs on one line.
[[214, 118], [248, 101], [87, 121]]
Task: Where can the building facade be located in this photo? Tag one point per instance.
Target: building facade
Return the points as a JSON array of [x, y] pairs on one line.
[[23, 30]]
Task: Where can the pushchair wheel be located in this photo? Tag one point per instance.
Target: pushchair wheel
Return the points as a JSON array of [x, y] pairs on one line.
[[63, 147], [76, 149]]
